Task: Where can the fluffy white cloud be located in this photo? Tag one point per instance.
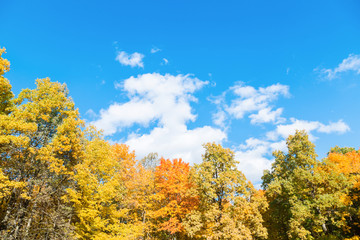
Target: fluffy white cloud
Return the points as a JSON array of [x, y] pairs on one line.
[[165, 99], [253, 158], [120, 115], [267, 115], [176, 142], [250, 100], [338, 127], [133, 60], [151, 97], [351, 63]]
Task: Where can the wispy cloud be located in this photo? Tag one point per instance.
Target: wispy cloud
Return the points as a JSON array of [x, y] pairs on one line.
[[134, 60], [165, 61], [251, 100], [155, 50], [351, 63], [91, 114], [284, 130]]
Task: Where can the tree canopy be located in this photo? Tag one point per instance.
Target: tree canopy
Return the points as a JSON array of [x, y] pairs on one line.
[[60, 179]]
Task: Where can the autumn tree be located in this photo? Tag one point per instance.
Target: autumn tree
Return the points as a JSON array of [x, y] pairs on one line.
[[304, 196], [97, 192], [8, 186], [6, 95], [174, 198], [40, 134], [137, 183], [346, 162], [230, 207], [111, 198]]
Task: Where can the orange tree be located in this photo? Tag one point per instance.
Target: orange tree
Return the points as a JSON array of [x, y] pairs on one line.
[[174, 197], [346, 161]]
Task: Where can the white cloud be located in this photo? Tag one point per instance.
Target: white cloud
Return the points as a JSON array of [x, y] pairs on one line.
[[133, 60], [284, 130], [266, 115], [165, 61], [219, 118], [155, 50], [254, 157], [119, 115], [151, 97], [165, 99], [250, 100], [338, 127], [176, 142], [351, 63]]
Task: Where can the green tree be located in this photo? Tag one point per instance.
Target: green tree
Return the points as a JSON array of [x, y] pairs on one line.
[[341, 150], [230, 207], [304, 197]]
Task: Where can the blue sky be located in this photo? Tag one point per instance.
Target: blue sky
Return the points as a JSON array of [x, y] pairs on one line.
[[167, 76]]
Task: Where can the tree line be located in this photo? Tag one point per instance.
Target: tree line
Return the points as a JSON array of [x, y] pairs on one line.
[[61, 180]]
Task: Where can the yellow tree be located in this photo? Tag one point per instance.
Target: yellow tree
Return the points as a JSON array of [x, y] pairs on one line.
[[6, 97], [97, 191], [230, 207], [109, 198], [40, 143], [135, 184], [5, 87]]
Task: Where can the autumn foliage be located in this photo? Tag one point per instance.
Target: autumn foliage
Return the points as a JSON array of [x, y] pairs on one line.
[[173, 198], [62, 180]]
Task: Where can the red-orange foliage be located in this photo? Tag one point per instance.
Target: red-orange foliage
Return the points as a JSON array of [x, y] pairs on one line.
[[174, 195]]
